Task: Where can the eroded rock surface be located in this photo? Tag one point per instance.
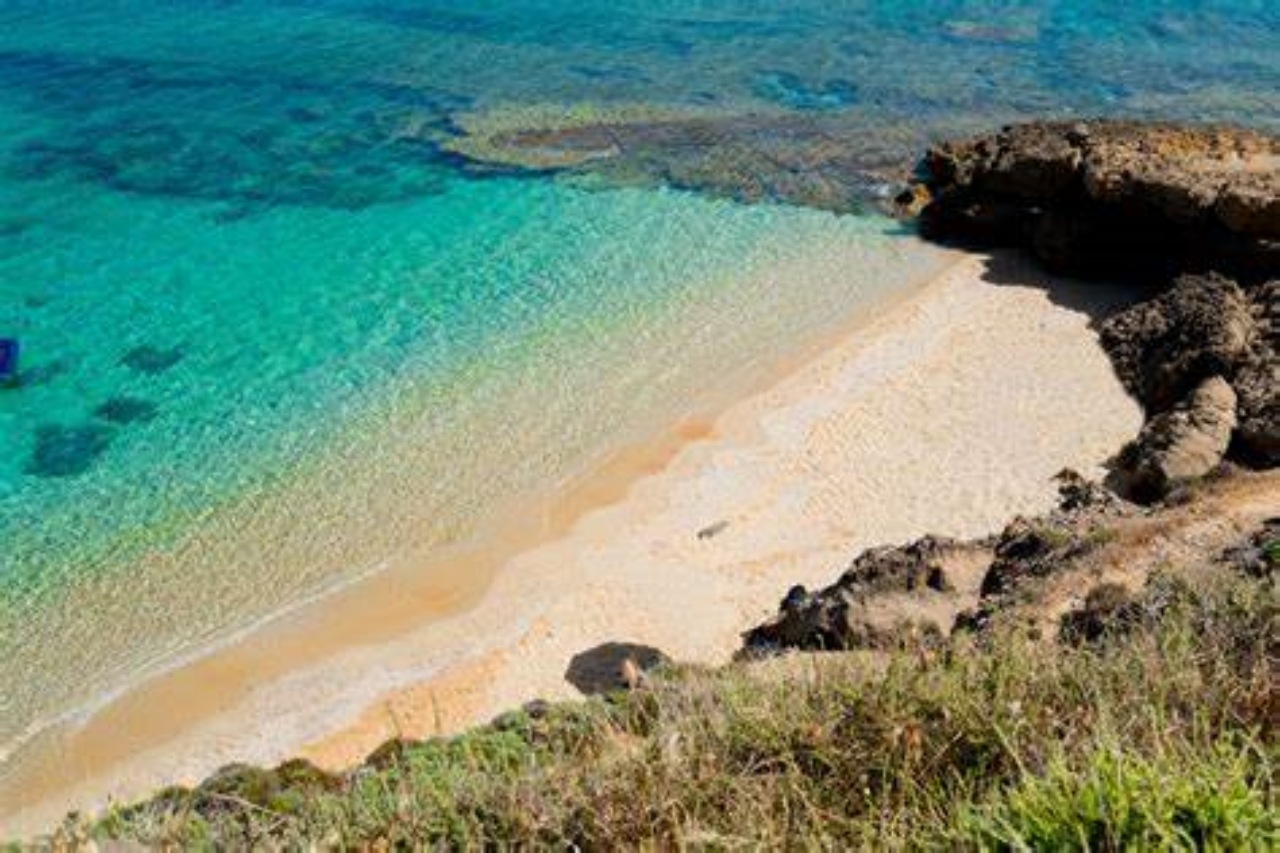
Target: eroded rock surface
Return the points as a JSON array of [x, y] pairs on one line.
[[1257, 383], [888, 596], [1074, 572], [1204, 326], [1180, 445], [1106, 196]]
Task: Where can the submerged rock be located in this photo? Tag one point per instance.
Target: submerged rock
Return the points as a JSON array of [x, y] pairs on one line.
[[126, 410], [790, 90], [799, 157], [67, 451], [150, 359]]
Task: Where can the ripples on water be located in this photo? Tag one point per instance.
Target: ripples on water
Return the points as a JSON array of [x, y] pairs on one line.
[[241, 257]]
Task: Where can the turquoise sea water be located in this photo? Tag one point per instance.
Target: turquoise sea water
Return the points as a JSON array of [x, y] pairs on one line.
[[273, 330]]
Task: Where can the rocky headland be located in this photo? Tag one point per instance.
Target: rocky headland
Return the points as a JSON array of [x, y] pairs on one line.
[[1192, 214], [1111, 198]]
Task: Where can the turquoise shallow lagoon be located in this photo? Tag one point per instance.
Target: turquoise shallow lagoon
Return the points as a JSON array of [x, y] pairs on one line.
[[274, 333]]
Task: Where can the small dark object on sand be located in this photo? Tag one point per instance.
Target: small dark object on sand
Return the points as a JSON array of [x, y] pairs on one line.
[[713, 530], [9, 361]]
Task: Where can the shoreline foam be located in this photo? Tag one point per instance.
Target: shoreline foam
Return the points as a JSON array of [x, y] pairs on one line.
[[620, 553]]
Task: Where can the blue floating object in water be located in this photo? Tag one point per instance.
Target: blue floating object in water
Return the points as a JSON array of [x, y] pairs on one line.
[[8, 361]]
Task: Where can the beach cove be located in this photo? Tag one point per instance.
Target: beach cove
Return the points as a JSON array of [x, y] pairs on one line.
[[781, 484], [381, 360]]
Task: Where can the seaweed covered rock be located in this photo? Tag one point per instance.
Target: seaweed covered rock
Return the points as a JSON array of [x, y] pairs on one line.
[[797, 158]]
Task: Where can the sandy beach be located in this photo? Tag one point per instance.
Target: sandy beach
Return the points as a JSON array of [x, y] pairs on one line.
[[947, 413]]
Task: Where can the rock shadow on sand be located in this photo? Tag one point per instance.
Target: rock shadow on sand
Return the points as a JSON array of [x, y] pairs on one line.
[[1097, 300]]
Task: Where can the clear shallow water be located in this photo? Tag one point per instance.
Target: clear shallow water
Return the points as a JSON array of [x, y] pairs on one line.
[[273, 332]]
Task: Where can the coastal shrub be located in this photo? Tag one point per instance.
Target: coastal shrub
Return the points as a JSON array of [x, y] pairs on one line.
[[1197, 800], [1160, 735]]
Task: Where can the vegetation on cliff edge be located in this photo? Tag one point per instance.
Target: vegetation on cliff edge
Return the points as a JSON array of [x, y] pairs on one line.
[[1161, 733]]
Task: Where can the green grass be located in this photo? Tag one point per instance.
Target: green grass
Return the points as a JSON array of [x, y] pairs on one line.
[[1124, 802], [1272, 550], [1162, 737]]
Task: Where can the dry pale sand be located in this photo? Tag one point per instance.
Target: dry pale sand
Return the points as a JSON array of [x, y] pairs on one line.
[[948, 414]]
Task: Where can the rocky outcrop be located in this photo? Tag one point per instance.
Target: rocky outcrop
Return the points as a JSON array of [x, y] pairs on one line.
[[1193, 211], [1196, 213], [1072, 572], [1104, 197], [865, 607], [1204, 326], [1179, 445], [1257, 383], [1109, 609], [919, 593], [1258, 428], [1033, 548]]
